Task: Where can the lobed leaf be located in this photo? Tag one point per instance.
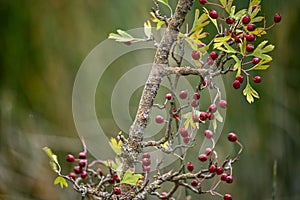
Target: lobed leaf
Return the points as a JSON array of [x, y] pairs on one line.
[[116, 145], [200, 22], [261, 50], [158, 22], [250, 93], [131, 178], [53, 160], [147, 29], [61, 181]]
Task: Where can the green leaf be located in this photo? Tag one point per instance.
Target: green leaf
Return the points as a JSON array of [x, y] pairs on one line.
[[147, 29], [250, 93], [240, 14], [214, 21], [131, 178], [254, 2], [260, 66], [53, 160], [229, 6], [166, 3], [261, 50], [121, 36], [61, 181], [228, 48], [223, 2], [237, 66]]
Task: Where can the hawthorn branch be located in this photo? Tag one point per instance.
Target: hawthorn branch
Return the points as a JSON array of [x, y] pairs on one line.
[[154, 80]]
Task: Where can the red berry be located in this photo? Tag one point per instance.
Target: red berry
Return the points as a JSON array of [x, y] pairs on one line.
[[77, 169], [230, 20], [84, 175], [111, 181], [190, 166], [82, 155], [255, 60], [251, 27], [249, 47], [183, 132], [183, 94], [238, 38], [147, 168], [117, 190], [246, 19], [187, 139], [210, 116], [128, 43], [194, 103], [213, 55], [203, 1], [224, 176], [208, 151], [277, 18], [169, 96], [201, 45], [196, 96], [196, 55], [100, 172], [212, 108], [82, 163], [227, 197], [146, 161], [236, 84], [213, 14], [232, 137], [250, 37], [194, 183], [223, 103], [202, 157], [115, 176], [195, 118], [257, 79], [146, 155], [164, 194], [203, 116], [70, 158], [212, 169], [208, 133], [220, 170], [229, 179], [72, 175], [240, 78], [118, 180], [159, 119]]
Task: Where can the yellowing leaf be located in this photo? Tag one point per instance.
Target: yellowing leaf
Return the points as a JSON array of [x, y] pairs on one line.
[[200, 22], [238, 65], [131, 178], [115, 145], [61, 181], [147, 28], [254, 2], [250, 93], [189, 122], [116, 165], [156, 20], [53, 160], [219, 41]]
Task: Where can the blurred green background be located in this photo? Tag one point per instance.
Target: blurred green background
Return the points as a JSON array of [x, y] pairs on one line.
[[42, 45]]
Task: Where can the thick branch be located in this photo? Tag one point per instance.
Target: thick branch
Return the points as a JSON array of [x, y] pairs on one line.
[[155, 77]]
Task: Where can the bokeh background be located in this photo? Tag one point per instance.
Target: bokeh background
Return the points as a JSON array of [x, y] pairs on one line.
[[43, 43]]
